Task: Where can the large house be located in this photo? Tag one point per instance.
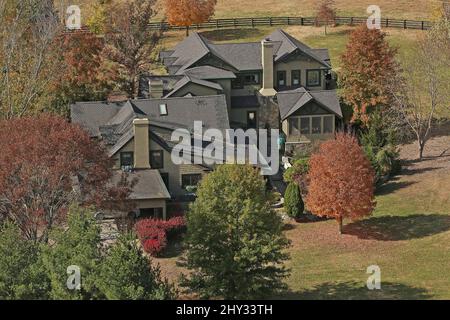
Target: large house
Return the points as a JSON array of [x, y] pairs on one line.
[[278, 83]]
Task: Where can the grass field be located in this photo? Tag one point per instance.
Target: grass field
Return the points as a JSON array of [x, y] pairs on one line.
[[399, 9], [408, 237]]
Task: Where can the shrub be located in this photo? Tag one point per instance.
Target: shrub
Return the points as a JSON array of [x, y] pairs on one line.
[[126, 274], [293, 201], [153, 233]]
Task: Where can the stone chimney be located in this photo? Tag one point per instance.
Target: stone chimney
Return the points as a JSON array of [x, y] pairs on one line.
[[267, 64], [141, 144], [156, 89]]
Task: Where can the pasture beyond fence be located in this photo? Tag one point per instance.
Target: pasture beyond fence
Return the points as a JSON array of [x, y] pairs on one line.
[[294, 21]]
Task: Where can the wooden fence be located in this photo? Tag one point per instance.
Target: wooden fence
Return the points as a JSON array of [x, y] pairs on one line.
[[294, 21]]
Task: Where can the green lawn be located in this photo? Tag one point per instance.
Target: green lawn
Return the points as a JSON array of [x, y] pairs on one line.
[[408, 237]]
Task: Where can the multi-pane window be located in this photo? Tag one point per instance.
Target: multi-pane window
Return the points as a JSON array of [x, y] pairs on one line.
[[307, 125], [126, 160], [281, 78], [313, 78], [316, 125], [157, 159], [237, 83], [294, 128], [328, 124], [188, 180], [295, 78], [245, 79], [252, 78]]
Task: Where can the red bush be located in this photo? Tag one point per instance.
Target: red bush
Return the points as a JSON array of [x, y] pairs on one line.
[[153, 233]]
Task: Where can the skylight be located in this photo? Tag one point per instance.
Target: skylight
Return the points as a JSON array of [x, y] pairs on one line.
[[163, 109]]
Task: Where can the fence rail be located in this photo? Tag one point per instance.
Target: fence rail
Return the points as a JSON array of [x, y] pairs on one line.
[[295, 21]]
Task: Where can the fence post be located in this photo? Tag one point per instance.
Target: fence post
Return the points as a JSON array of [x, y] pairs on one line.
[[234, 22], [351, 21], [387, 22], [404, 24], [253, 23], [423, 25], [301, 21], [270, 21], [217, 23], [289, 21]]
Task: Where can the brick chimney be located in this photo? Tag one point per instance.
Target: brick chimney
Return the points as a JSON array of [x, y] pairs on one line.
[[267, 64], [156, 89], [141, 144]]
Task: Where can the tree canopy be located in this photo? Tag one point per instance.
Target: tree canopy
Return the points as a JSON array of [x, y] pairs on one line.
[[235, 245]]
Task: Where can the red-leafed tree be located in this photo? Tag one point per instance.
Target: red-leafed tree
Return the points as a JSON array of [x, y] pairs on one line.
[[45, 165], [341, 180], [368, 66], [326, 13], [185, 13], [85, 76]]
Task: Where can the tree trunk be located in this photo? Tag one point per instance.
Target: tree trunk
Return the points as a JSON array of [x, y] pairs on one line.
[[339, 221], [187, 31], [421, 149]]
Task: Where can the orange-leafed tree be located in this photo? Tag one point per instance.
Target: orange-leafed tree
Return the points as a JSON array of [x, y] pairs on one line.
[[326, 13], [185, 13], [46, 164], [368, 68], [341, 180]]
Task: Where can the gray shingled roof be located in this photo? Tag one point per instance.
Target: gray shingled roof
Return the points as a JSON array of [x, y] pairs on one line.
[[149, 185], [169, 82], [209, 73], [291, 101], [102, 119], [244, 56], [186, 80], [290, 44]]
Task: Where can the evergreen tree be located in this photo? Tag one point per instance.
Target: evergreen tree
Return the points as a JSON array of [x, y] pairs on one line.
[[235, 241], [21, 273], [126, 274], [293, 201], [77, 246]]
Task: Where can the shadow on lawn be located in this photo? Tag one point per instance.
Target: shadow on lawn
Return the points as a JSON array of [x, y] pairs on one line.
[[357, 291], [395, 228], [392, 186]]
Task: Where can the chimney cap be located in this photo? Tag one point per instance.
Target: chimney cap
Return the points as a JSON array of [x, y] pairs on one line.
[[142, 121]]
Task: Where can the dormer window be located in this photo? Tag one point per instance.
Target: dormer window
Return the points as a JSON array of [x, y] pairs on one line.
[[163, 110]]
